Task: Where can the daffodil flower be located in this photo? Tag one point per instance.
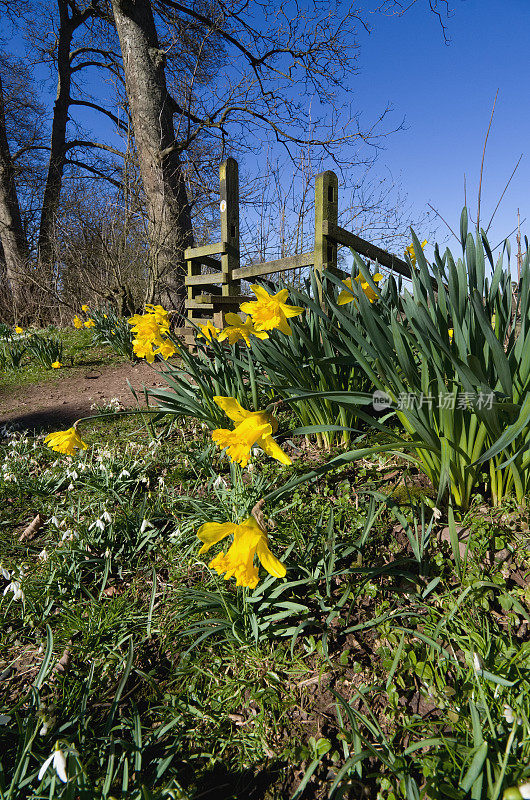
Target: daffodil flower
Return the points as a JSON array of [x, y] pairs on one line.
[[410, 251], [253, 428], [270, 310], [18, 329], [78, 323], [84, 308], [238, 561], [65, 441], [208, 331], [237, 329], [89, 323], [58, 761], [150, 334], [56, 365], [346, 295]]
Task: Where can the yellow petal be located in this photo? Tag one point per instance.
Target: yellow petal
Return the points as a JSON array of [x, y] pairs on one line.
[[232, 408], [212, 532], [269, 560], [273, 450]]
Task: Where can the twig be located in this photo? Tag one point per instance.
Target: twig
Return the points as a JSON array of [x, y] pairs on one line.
[[504, 192], [482, 162], [444, 221]]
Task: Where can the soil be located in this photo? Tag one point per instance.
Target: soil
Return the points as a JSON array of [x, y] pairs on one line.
[[57, 405]]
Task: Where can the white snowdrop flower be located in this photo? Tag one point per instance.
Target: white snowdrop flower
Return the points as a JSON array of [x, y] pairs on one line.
[[106, 517], [58, 761], [14, 587], [124, 474], [4, 719], [55, 521], [161, 483], [145, 524], [509, 716], [107, 553], [250, 467], [5, 574], [436, 513], [478, 665], [524, 789], [43, 555], [99, 524], [44, 729], [70, 487], [220, 481]]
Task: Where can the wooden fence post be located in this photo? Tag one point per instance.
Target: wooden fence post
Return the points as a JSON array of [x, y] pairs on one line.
[[326, 214], [229, 208]]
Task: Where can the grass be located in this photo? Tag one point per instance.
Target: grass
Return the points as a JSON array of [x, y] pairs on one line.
[[356, 676]]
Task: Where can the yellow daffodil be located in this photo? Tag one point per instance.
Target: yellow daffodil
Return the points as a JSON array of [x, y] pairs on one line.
[[208, 331], [249, 540], [18, 329], [237, 329], [90, 323], [65, 441], [450, 331], [253, 428], [346, 296], [411, 252], [270, 310], [56, 365], [166, 349], [78, 323], [150, 331], [143, 348], [84, 308]]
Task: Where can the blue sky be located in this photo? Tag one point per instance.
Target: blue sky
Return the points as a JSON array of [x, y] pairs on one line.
[[445, 95]]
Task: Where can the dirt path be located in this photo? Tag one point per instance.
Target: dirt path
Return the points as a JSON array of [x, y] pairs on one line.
[[55, 405]]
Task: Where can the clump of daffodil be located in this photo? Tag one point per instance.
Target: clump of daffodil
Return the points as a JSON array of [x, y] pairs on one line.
[[249, 539], [65, 441], [89, 323], [270, 311], [78, 323], [253, 428], [151, 330], [208, 331], [237, 329], [346, 295], [56, 365], [412, 253]]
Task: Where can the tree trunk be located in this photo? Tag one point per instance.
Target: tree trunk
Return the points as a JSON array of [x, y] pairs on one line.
[[169, 215], [14, 242], [54, 177]]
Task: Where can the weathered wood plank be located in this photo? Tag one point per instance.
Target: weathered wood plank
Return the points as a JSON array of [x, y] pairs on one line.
[[219, 300], [190, 305], [204, 280], [206, 250], [280, 265], [364, 248]]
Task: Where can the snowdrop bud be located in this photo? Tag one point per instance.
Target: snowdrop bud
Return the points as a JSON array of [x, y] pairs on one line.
[[145, 524], [478, 665]]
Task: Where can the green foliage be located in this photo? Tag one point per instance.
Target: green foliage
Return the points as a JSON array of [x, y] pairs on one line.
[[112, 330], [46, 350]]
